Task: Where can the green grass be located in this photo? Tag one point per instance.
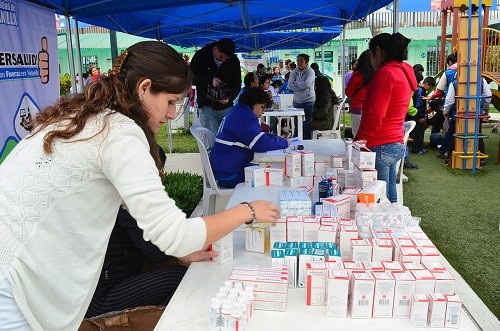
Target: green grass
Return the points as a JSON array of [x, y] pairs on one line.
[[182, 141], [460, 213]]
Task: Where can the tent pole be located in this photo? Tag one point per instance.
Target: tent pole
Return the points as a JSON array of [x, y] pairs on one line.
[[395, 16], [322, 58], [69, 46], [114, 45], [78, 55], [342, 74]]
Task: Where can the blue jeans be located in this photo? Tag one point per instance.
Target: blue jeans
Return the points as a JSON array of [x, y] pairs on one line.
[[447, 142], [385, 162], [211, 119], [308, 111]]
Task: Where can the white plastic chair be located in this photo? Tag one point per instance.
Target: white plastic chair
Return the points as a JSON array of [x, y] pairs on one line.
[[205, 139], [408, 127], [334, 132]]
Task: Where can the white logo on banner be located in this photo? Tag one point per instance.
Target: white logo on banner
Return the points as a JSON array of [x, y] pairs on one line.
[[26, 111]]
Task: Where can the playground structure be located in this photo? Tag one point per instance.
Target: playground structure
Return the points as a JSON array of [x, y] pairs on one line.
[[478, 55]]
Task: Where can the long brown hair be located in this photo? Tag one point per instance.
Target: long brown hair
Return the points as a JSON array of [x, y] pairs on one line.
[[148, 59]]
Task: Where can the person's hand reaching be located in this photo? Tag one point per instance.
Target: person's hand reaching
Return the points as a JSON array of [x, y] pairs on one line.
[[265, 211], [197, 256]]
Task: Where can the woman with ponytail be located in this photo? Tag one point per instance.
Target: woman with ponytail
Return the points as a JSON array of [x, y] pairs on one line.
[[62, 186], [386, 104]]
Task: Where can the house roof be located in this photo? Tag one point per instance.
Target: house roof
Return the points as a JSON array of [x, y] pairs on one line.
[[351, 34]]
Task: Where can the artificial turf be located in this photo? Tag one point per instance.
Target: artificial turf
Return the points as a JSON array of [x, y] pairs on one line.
[[460, 212]]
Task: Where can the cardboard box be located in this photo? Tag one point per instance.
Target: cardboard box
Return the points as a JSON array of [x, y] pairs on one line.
[[408, 254], [327, 233], [437, 310], [392, 266], [311, 227], [352, 266], [429, 254], [336, 161], [373, 193], [337, 293], [403, 290], [362, 157], [412, 265], [315, 283], [372, 266], [261, 283], [345, 235], [294, 229], [361, 294], [255, 176], [277, 232], [293, 164], [278, 257], [257, 237], [419, 310], [225, 248], [445, 282], [361, 250], [305, 255], [364, 177], [353, 194], [382, 250], [433, 266], [307, 159], [341, 204], [138, 319], [275, 176], [319, 168], [425, 282], [383, 298], [348, 153], [453, 311], [269, 305], [291, 261]]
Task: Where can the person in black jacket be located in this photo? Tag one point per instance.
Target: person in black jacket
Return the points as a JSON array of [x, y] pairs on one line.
[[217, 78], [136, 272]]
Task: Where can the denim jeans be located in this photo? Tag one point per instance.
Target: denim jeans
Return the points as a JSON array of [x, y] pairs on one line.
[[211, 119], [448, 141], [308, 111], [385, 162]]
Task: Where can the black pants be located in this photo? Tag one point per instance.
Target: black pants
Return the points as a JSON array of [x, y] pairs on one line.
[[151, 288]]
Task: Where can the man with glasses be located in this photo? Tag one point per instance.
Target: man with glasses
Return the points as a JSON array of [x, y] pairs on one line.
[[301, 82], [218, 81]]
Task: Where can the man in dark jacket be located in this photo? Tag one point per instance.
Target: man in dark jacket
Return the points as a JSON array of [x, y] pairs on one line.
[[218, 81]]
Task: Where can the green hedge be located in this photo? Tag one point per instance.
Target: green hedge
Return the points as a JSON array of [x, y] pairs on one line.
[[185, 188]]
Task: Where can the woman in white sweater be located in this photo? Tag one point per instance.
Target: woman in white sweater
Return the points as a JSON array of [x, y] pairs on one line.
[[61, 187]]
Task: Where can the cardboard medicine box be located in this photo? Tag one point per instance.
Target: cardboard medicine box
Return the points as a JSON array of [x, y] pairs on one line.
[[403, 290], [293, 164], [453, 311], [437, 310], [255, 176], [383, 298], [257, 238], [315, 283], [337, 288], [362, 157], [361, 294], [419, 310], [225, 248]]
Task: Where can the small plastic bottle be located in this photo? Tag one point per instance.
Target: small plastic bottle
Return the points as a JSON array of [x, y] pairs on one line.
[[249, 297], [238, 286], [228, 284], [236, 317], [233, 296], [225, 314], [214, 315], [242, 300], [221, 295]]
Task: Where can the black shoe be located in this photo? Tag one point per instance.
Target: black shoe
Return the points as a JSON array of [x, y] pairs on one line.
[[482, 163], [409, 165], [441, 156]]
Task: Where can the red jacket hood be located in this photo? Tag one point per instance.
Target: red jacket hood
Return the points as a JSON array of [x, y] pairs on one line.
[[408, 70]]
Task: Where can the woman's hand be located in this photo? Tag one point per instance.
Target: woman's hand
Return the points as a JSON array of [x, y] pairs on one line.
[[197, 256], [265, 211]]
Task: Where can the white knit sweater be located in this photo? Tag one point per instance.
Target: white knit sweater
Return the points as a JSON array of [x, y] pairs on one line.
[[57, 212]]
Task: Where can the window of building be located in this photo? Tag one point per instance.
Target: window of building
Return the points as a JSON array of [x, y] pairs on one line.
[[350, 53], [432, 61], [88, 61]]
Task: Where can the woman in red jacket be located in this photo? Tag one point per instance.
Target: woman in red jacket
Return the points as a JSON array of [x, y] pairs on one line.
[[386, 104], [356, 88]]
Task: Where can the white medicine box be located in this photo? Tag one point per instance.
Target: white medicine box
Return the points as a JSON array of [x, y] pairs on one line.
[[255, 176]]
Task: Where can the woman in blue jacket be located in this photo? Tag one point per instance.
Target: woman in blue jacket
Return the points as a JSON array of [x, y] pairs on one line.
[[239, 136]]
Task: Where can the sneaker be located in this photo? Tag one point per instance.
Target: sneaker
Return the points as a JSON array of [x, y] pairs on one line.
[[421, 152], [441, 156], [409, 165], [482, 163]]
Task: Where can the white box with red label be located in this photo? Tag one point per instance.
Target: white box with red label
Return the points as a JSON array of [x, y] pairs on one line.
[[453, 311], [315, 283], [361, 294], [337, 288], [277, 232], [433, 266], [327, 233], [437, 310], [361, 250], [429, 254], [383, 298], [419, 310], [408, 254], [275, 176], [293, 164], [225, 248], [403, 290], [425, 282], [445, 282], [341, 204], [294, 229], [311, 227], [382, 250], [362, 157], [307, 159], [255, 176], [347, 233]]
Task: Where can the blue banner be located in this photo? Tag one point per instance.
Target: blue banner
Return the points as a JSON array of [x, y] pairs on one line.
[[29, 79]]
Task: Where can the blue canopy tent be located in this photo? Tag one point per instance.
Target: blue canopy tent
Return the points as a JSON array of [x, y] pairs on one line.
[[188, 22]]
